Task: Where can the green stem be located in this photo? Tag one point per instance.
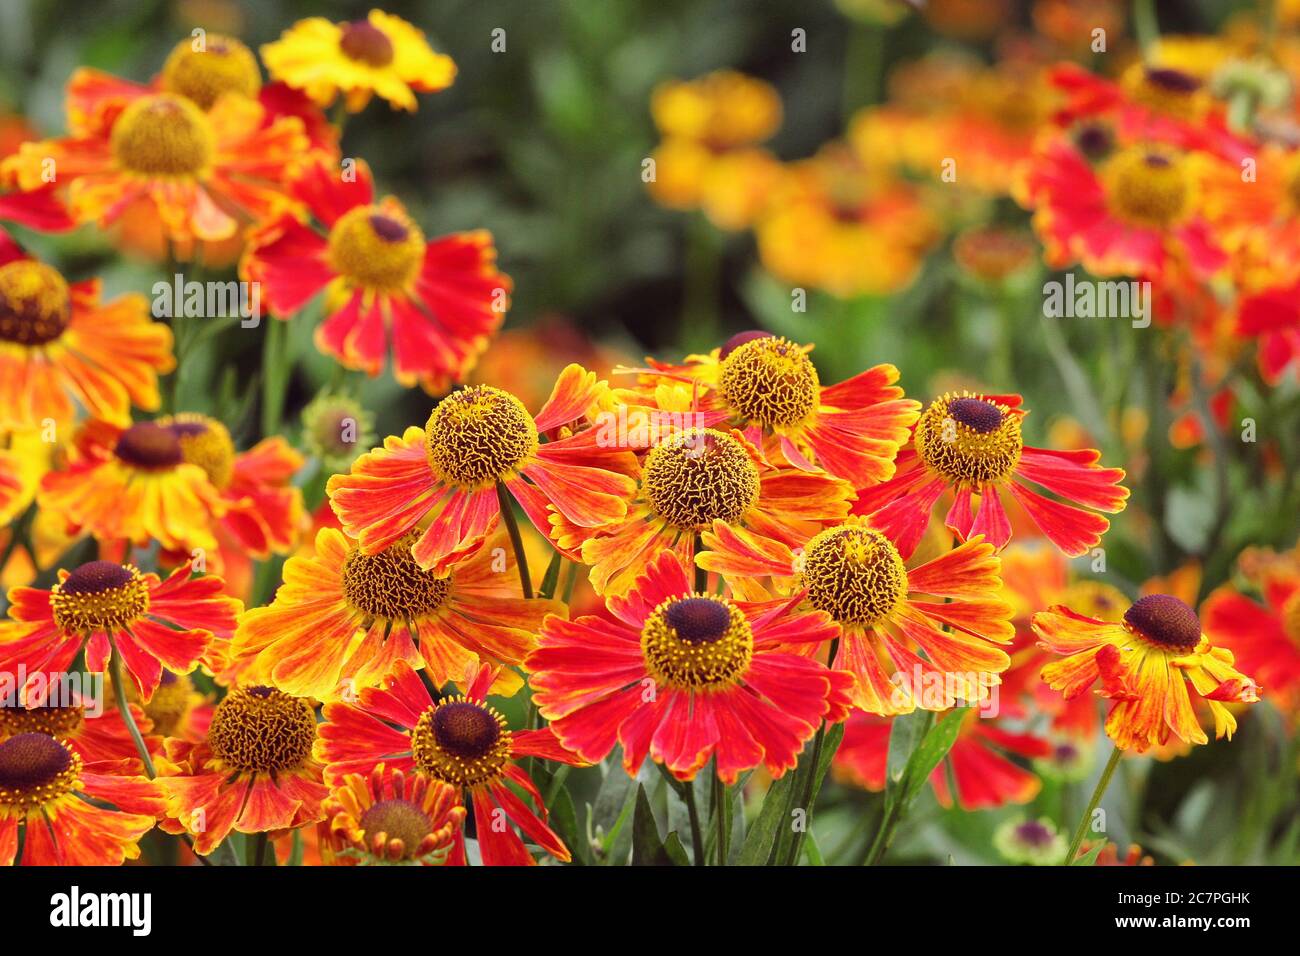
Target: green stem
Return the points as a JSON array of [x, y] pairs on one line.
[[259, 856], [1145, 26], [1104, 782], [721, 805], [806, 798], [516, 539], [275, 375], [703, 276], [697, 832], [124, 708], [864, 55]]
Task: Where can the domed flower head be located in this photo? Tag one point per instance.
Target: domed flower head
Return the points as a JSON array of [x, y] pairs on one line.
[[460, 741], [382, 56], [199, 174], [1031, 842], [884, 610], [335, 429], [62, 349], [110, 608], [98, 735], [477, 439], [390, 818], [691, 479], [66, 811], [769, 387], [439, 301], [984, 774], [686, 677], [1145, 664], [343, 618], [1265, 637], [971, 444], [253, 773]]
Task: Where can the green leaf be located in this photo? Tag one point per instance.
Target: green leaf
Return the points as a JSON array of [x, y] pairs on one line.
[[648, 848], [905, 735], [762, 835], [1089, 858], [934, 746], [564, 821], [552, 578]]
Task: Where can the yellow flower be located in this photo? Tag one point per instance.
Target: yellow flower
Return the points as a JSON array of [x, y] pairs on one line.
[[382, 55]]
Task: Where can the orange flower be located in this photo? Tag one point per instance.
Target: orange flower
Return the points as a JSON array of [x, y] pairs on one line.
[[440, 302], [343, 618], [61, 348], [462, 742], [769, 387], [99, 736], [110, 608], [389, 817], [53, 799], [201, 174], [1145, 664], [253, 773], [884, 610], [1265, 637], [479, 446]]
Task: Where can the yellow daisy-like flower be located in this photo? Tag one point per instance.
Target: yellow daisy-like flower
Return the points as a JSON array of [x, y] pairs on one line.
[[381, 55]]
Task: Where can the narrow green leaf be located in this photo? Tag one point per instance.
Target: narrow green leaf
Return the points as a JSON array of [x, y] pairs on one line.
[[648, 848], [552, 578], [933, 748], [762, 835], [1089, 858]]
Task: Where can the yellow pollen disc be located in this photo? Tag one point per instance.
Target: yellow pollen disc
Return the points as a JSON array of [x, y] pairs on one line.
[[770, 381], [462, 742], [379, 249], [224, 65], [169, 703], [698, 476], [1291, 617], [697, 643], [55, 721], [163, 135], [99, 596], [854, 574], [204, 442], [35, 769], [262, 730], [1148, 188], [34, 304], [390, 585], [1167, 91], [478, 435], [1097, 600], [399, 820], [969, 439]]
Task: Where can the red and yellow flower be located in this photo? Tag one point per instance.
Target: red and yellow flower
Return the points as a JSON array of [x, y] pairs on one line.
[[856, 574], [253, 773], [479, 447], [61, 348], [690, 480], [438, 301], [382, 56], [971, 444], [99, 736], [343, 618], [769, 387], [1145, 664], [108, 608], [54, 799], [461, 741], [388, 817], [687, 677]]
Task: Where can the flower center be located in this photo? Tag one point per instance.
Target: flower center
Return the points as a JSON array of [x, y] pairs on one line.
[[1094, 141], [739, 339], [150, 446], [34, 304], [1167, 91], [854, 574], [55, 721], [696, 643], [390, 585], [1164, 620], [170, 703], [204, 442], [99, 596], [34, 770], [699, 476], [224, 65], [399, 820], [376, 249], [969, 439], [163, 135], [1147, 188], [770, 381], [478, 435], [262, 730], [365, 43], [461, 742], [1033, 833]]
